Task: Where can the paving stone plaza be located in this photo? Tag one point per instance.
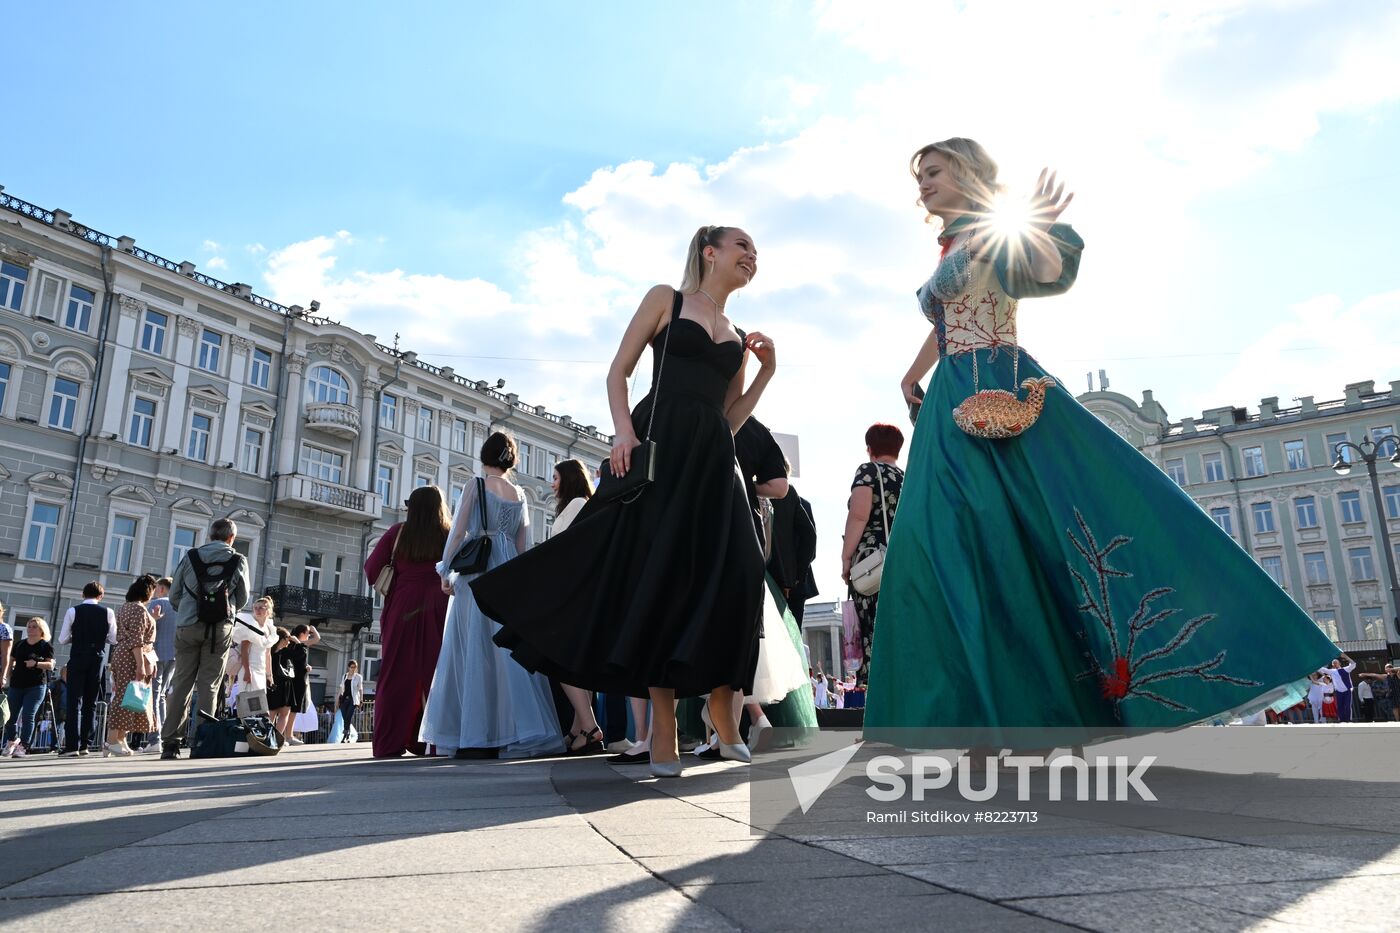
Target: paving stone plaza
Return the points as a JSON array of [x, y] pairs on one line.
[[324, 837]]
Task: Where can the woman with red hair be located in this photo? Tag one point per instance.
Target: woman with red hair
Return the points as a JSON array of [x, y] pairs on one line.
[[869, 514]]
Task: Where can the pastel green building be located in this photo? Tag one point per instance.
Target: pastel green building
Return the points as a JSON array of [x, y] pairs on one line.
[[1267, 478]]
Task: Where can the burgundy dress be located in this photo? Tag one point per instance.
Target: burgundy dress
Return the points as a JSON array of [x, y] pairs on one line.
[[410, 633]]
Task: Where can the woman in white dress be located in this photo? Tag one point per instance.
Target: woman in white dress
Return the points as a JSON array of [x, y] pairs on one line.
[[482, 703]]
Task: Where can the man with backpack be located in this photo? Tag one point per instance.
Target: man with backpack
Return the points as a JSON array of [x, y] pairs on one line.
[[210, 586]]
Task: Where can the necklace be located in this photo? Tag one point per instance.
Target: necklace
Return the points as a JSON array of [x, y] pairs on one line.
[[717, 305]]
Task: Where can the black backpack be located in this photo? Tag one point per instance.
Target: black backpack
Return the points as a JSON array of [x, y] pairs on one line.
[[213, 591]]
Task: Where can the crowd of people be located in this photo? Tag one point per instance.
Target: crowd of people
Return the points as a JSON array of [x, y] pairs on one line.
[[667, 602]]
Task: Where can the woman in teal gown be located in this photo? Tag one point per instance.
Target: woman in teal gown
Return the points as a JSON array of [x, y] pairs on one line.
[[1056, 579]]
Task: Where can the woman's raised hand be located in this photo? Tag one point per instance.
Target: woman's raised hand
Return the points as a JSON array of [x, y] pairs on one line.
[[761, 345], [1049, 200], [620, 460]]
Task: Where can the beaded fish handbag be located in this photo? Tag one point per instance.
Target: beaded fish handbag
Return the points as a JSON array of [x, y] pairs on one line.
[[995, 414]]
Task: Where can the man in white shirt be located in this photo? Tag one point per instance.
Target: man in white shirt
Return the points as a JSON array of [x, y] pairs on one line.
[[88, 628], [1341, 683], [819, 686]]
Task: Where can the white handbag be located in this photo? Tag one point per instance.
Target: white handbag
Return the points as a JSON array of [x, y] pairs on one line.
[[385, 581], [866, 572]]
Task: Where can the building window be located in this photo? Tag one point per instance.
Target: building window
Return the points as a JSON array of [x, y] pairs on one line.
[[327, 385], [425, 423], [121, 543], [260, 372], [1373, 624], [1295, 455], [1306, 509], [339, 568], [197, 444], [210, 346], [455, 493], [1273, 566], [1315, 568], [522, 460], [1391, 494], [384, 483], [460, 432], [43, 532], [12, 279], [153, 332], [143, 420], [182, 539], [1380, 433], [79, 314], [284, 567], [311, 573], [389, 411], [319, 463], [1224, 519], [421, 479], [1327, 621], [1363, 565], [4, 384], [1253, 461], [254, 441], [63, 404], [1263, 513], [1350, 504], [1213, 467], [1333, 453]]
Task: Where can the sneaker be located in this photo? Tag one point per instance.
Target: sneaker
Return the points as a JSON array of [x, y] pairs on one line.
[[68, 753], [621, 746], [170, 753], [82, 753], [148, 748], [19, 752], [9, 749]]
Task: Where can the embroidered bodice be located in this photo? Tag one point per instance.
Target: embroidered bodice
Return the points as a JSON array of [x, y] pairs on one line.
[[971, 298], [964, 300]]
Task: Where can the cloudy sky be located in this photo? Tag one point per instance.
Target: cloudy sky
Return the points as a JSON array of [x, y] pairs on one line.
[[500, 187]]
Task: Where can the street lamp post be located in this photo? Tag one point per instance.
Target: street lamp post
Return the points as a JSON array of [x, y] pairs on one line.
[[1369, 452]]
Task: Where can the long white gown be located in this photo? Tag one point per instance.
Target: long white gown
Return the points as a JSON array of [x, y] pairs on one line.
[[480, 697]]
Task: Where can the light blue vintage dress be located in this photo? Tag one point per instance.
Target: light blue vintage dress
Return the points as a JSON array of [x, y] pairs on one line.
[[481, 698]]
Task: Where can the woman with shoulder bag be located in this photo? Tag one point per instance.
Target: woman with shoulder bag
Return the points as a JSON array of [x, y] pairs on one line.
[[657, 588], [482, 704], [133, 667], [869, 515], [411, 622]]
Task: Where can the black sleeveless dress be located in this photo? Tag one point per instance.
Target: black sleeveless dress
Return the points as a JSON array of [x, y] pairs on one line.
[[665, 591]]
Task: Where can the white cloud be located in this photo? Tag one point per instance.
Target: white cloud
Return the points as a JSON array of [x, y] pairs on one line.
[[216, 263], [1322, 346]]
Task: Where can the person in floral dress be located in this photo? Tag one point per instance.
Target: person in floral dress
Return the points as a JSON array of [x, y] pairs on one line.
[[132, 660]]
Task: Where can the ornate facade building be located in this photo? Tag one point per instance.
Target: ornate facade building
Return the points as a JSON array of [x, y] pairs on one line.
[[141, 399], [1267, 478]]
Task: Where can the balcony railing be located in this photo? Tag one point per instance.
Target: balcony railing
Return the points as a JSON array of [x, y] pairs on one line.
[[321, 604], [334, 418], [322, 496]]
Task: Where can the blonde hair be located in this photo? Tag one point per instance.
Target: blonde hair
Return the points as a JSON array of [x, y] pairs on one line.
[[264, 599], [43, 626], [973, 169], [704, 238]]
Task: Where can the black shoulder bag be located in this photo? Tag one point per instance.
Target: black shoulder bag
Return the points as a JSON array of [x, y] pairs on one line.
[[475, 553], [642, 471]]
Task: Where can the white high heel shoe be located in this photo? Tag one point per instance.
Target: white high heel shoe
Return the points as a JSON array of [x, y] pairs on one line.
[[738, 752], [666, 769]]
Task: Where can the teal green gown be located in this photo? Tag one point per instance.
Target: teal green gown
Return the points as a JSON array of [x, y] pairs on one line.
[[1059, 579]]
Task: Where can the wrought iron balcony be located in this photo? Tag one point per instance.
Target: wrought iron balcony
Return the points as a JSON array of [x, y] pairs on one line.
[[308, 492], [320, 604], [334, 418]]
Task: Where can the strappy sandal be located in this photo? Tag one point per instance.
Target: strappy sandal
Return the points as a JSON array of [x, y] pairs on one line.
[[591, 745]]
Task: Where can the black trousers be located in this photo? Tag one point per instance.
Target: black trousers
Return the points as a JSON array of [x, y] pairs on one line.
[[84, 686]]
